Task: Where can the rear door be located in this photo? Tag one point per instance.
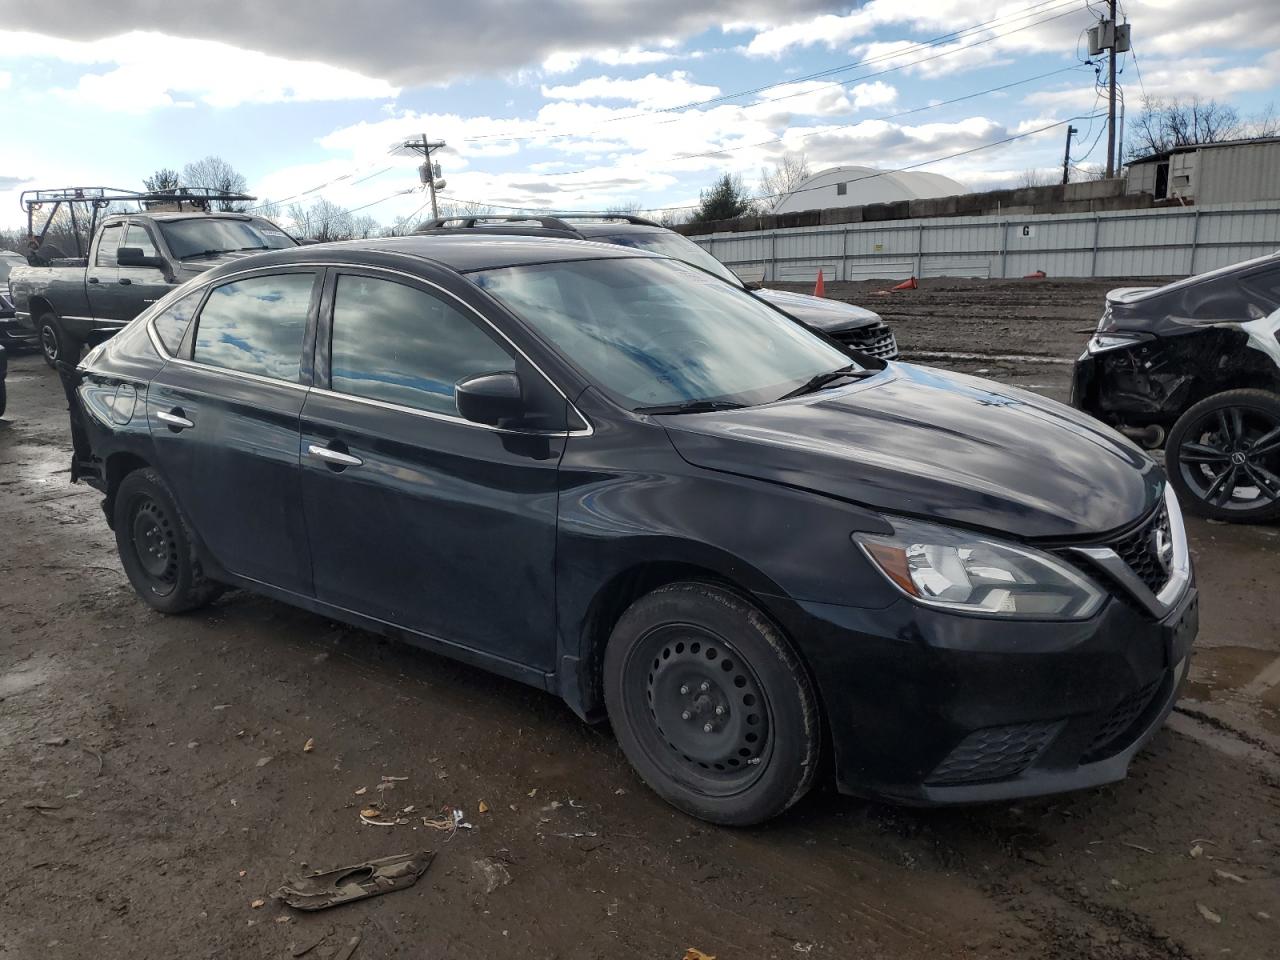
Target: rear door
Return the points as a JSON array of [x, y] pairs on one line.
[[416, 516], [102, 273], [138, 287], [224, 420]]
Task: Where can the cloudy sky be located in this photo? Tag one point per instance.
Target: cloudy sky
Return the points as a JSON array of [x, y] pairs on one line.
[[580, 104]]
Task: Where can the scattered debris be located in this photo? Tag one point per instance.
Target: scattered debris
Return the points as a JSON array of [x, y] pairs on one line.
[[57, 741], [693, 953], [1197, 851], [221, 706], [192, 744], [577, 836], [1208, 914], [258, 904], [612, 909], [306, 946], [346, 884], [620, 792], [450, 821], [309, 745], [1262, 915], [802, 947], [346, 952], [532, 793], [494, 873], [1137, 846], [362, 791], [243, 874], [484, 807], [263, 761], [1036, 857], [40, 806], [1233, 877], [394, 779]]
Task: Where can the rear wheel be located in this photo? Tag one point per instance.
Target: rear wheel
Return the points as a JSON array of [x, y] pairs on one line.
[[710, 704], [1223, 456], [156, 548], [55, 344]]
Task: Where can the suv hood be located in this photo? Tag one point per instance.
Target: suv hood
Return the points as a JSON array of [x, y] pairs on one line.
[[829, 316], [942, 446]]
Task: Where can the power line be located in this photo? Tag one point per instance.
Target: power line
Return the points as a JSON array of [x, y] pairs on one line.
[[1045, 6]]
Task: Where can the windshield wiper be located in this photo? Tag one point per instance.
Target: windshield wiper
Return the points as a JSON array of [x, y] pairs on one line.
[[263, 247], [821, 380], [692, 406], [202, 253]]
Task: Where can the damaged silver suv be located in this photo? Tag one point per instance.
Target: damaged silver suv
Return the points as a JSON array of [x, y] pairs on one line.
[[1195, 365]]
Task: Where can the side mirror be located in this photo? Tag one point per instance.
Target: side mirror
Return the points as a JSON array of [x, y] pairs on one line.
[[134, 257], [491, 398]]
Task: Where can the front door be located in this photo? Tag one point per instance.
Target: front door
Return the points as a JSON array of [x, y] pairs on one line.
[[138, 287], [224, 420], [102, 273], [417, 517]]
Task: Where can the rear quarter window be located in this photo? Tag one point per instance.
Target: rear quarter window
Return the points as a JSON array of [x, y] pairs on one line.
[[171, 323]]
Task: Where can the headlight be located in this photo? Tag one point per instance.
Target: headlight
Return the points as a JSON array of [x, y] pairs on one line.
[[970, 573], [1102, 342]]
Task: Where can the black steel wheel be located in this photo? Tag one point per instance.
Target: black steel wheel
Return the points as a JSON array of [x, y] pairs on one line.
[[55, 345], [1223, 456], [155, 546], [711, 705]]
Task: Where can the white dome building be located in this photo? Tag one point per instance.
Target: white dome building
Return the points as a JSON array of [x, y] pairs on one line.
[[856, 186]]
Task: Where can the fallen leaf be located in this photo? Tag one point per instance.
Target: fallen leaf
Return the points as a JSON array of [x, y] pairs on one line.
[[1208, 914], [693, 953], [258, 903], [309, 745], [484, 807], [370, 812], [284, 919]]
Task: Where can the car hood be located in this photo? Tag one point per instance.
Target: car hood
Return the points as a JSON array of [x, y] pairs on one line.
[[819, 312], [948, 447]]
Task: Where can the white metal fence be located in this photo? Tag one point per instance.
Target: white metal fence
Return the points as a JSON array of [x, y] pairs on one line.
[[1125, 243]]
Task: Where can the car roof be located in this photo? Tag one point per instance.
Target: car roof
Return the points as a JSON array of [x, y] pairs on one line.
[[463, 252]]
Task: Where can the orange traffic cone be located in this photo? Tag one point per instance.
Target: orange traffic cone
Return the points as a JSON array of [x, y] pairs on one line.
[[1038, 275], [907, 285], [819, 288]]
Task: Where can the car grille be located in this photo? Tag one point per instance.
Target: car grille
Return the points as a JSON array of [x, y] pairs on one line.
[[1138, 550], [876, 339], [995, 753], [1121, 718]]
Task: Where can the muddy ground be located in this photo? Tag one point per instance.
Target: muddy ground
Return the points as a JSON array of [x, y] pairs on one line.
[[155, 784]]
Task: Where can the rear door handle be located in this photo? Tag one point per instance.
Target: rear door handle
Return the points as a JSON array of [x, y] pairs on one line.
[[174, 419], [93, 280], [335, 457], [124, 280]]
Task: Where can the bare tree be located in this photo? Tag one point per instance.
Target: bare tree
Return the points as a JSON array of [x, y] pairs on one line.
[[216, 174], [787, 173], [670, 218], [269, 209], [1036, 177], [1262, 124], [1165, 124], [365, 226], [622, 207]]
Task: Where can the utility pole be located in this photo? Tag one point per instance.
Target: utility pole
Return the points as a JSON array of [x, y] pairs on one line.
[[427, 170], [1111, 98], [1066, 156]]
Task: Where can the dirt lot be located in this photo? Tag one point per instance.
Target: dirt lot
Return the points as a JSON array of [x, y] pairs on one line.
[[156, 785]]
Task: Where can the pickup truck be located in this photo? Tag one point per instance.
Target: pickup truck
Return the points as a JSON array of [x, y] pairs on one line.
[[134, 260]]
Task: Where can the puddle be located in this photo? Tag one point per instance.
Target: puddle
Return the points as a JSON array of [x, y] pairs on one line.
[[1221, 673]]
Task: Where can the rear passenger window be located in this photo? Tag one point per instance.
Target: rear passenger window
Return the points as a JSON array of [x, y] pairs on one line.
[[171, 324], [108, 244], [399, 344], [256, 325]]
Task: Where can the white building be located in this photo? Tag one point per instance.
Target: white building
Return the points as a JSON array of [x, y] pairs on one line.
[[857, 186], [1233, 171]]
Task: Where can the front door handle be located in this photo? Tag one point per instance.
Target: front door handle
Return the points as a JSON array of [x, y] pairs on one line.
[[93, 280], [125, 281], [336, 458], [174, 419]]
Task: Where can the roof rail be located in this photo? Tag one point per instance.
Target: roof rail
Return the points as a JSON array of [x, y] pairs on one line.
[[100, 197], [558, 221]]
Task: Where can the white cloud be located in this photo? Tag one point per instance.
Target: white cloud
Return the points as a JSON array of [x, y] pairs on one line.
[[6, 80], [652, 92], [819, 98], [150, 70], [566, 62]]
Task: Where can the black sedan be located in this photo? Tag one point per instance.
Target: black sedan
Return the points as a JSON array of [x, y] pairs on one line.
[[611, 475]]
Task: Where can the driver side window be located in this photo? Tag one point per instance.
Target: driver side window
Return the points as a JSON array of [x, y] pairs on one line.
[[108, 244], [137, 236]]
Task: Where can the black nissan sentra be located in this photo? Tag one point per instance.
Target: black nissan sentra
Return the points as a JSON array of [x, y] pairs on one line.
[[617, 478]]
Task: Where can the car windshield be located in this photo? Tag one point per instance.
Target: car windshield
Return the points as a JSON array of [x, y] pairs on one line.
[[205, 237], [672, 245], [654, 332]]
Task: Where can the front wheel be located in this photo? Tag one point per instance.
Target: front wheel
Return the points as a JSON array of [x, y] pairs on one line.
[[156, 549], [710, 704], [1223, 457], [55, 344]]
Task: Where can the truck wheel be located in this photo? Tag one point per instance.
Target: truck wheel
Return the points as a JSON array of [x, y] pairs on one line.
[[711, 705], [54, 342], [156, 548], [1223, 457]]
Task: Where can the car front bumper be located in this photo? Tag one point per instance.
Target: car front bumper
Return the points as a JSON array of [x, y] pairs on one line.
[[927, 707], [12, 332]]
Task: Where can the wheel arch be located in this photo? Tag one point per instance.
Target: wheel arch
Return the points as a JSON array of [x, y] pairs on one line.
[[117, 466]]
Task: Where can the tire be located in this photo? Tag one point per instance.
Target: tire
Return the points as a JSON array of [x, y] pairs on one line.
[[762, 750], [156, 548], [55, 344], [4, 397], [1223, 457]]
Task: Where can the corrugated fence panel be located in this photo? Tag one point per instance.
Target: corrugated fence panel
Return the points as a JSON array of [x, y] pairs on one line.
[[1128, 243]]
